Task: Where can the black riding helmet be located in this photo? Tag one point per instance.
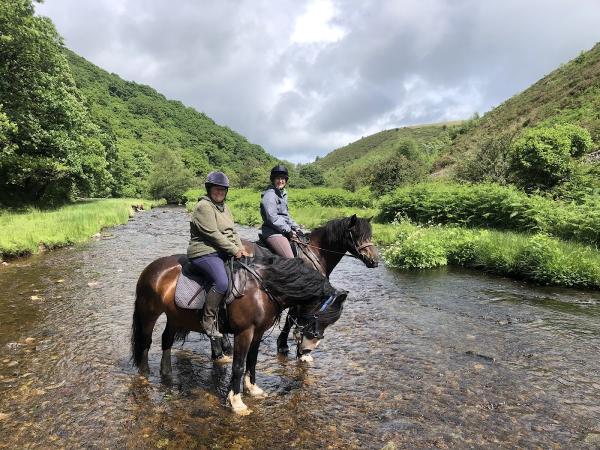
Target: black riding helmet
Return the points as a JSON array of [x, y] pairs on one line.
[[279, 170], [216, 179]]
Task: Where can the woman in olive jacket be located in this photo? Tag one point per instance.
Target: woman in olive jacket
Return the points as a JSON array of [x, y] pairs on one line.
[[278, 227], [213, 240]]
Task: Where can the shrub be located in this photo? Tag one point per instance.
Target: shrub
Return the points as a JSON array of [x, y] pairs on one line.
[[541, 157], [494, 206]]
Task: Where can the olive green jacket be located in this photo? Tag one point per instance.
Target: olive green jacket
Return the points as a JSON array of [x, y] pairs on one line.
[[212, 229]]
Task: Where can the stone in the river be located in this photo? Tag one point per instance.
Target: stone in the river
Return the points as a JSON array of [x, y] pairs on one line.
[[592, 438], [389, 446], [29, 340], [35, 297], [60, 281], [93, 284], [4, 416]]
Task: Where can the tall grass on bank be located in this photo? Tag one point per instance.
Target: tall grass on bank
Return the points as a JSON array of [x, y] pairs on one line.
[[26, 233], [494, 206], [538, 258]]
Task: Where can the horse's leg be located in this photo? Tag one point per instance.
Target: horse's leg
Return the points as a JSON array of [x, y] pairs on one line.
[[168, 337], [250, 385], [141, 335], [241, 345], [217, 349], [226, 345], [282, 346]]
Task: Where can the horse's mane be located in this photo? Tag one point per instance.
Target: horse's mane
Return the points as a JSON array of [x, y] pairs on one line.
[[292, 280], [334, 231]]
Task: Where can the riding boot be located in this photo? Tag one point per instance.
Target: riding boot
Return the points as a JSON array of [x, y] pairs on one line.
[[211, 313]]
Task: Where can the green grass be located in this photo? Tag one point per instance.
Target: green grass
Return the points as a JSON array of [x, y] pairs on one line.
[[494, 206], [533, 257], [28, 232]]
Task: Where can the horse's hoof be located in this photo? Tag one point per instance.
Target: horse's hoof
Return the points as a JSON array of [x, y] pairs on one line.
[[306, 358], [223, 359], [253, 389], [237, 405]]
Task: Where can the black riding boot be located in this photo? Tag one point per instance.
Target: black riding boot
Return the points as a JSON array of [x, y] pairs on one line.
[[211, 313]]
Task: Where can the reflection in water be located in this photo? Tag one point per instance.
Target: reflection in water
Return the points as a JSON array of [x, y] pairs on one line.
[[445, 358]]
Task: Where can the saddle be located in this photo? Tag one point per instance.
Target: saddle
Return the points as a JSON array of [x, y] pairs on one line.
[[262, 244], [192, 286]]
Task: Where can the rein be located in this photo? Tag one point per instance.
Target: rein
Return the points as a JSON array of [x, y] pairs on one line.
[[280, 306]]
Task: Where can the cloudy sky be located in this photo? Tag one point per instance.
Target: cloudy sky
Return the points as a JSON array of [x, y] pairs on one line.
[[302, 78]]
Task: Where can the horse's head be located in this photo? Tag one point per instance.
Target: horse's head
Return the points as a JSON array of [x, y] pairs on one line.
[[312, 321], [358, 243]]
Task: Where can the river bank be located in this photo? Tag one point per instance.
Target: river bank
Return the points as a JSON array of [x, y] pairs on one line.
[[32, 231]]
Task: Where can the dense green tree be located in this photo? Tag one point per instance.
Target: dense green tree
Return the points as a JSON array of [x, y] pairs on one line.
[[170, 178], [543, 157], [51, 149], [313, 174], [406, 165]]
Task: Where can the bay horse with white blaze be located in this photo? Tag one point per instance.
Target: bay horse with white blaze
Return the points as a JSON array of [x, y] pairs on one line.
[[281, 283]]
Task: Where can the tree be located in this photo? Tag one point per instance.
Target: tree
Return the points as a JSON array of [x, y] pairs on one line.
[[169, 179], [312, 174], [51, 150], [542, 157]]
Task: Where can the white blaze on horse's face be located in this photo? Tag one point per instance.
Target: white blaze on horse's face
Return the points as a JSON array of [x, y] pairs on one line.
[[308, 345]]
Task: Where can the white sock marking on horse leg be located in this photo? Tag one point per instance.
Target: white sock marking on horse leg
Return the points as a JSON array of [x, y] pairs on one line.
[[306, 358], [253, 389], [237, 405]]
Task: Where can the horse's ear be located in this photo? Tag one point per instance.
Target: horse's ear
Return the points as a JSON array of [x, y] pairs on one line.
[[341, 299], [353, 221], [370, 218]]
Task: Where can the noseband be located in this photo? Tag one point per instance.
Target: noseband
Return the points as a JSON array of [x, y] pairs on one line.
[[358, 248], [322, 312]]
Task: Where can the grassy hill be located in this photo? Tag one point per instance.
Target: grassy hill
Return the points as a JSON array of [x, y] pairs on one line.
[[569, 94], [142, 124], [371, 150]]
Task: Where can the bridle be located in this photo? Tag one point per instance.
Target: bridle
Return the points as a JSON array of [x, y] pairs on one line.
[[353, 253], [312, 329]]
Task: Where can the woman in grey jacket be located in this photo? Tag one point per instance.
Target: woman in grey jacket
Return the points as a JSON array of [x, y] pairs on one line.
[[278, 227]]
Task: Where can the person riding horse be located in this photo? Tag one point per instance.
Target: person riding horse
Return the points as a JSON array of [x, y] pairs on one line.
[[213, 239], [278, 227]]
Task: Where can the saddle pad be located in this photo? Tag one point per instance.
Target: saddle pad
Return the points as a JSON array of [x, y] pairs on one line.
[[188, 285], [184, 291]]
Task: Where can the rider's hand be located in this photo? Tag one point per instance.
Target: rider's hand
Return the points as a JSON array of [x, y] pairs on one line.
[[239, 254], [245, 253]]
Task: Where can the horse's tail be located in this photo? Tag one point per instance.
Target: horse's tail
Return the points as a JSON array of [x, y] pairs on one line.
[[138, 340]]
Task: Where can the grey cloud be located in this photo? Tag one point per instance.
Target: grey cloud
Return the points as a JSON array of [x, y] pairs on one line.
[[399, 63]]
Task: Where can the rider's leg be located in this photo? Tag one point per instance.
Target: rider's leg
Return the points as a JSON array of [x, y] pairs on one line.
[[212, 266], [280, 245]]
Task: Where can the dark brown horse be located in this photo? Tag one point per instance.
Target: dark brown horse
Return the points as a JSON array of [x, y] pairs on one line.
[[281, 283], [323, 250]]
